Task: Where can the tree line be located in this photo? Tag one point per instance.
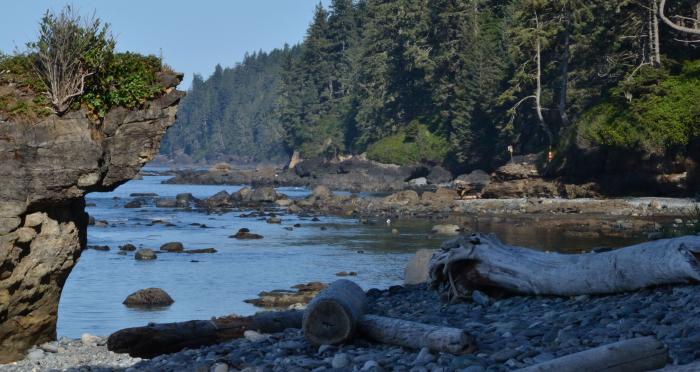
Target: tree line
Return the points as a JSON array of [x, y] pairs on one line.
[[481, 75]]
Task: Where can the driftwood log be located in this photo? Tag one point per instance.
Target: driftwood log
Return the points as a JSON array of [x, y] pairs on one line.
[[156, 339], [332, 316], [417, 335], [637, 354], [483, 262]]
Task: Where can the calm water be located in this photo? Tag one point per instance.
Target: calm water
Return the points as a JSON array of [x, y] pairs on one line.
[[218, 283]]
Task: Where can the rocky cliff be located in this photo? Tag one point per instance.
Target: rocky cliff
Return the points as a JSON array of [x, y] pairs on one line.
[[46, 169]]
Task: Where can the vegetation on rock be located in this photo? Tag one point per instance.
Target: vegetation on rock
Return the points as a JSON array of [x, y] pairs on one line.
[[73, 65], [411, 146]]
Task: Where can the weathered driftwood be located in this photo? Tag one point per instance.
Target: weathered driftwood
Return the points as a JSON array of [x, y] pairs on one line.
[[485, 263], [157, 339], [692, 367], [637, 354], [416, 335], [331, 318]]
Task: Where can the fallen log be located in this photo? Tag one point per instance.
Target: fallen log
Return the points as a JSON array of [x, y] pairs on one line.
[[416, 335], [637, 354], [332, 316], [483, 262], [156, 339]]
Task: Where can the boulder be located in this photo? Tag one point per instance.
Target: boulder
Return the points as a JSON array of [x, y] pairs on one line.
[[183, 200], [446, 229], [221, 199], [136, 203], [149, 297], [166, 203], [416, 271], [322, 192], [516, 171], [439, 175], [127, 247], [172, 247], [145, 254], [263, 195], [473, 182], [405, 197], [245, 234], [242, 195]]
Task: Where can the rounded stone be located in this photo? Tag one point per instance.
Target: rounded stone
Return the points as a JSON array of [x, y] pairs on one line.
[[145, 255], [149, 297]]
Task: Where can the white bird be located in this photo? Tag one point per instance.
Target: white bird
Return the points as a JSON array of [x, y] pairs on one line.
[[388, 221]]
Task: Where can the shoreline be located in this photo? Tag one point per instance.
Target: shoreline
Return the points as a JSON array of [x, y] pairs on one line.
[[511, 333]]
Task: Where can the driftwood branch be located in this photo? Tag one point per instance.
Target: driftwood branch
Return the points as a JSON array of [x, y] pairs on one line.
[[156, 339], [331, 318], [637, 354], [675, 26], [485, 263]]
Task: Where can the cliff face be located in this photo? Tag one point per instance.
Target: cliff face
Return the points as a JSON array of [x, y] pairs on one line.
[[45, 171]]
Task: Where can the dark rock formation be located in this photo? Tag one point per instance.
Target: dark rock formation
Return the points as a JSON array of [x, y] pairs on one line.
[[149, 297], [47, 169], [172, 247]]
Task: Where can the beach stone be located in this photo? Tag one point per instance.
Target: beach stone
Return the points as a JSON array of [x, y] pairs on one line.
[[321, 192], [416, 271], [370, 365], [145, 254], [148, 297], [340, 360], [424, 357], [90, 340], [253, 336], [480, 298], [219, 367], [35, 354], [172, 247]]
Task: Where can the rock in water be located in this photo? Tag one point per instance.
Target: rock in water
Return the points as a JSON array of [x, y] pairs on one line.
[[245, 234], [172, 247], [149, 297], [145, 255], [416, 271], [127, 247], [263, 195], [274, 220], [321, 192], [446, 229], [136, 203], [183, 200]]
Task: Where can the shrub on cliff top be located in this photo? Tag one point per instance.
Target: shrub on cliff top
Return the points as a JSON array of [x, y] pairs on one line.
[[88, 73]]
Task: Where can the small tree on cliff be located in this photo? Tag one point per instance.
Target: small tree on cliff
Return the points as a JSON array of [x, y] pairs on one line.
[[69, 51]]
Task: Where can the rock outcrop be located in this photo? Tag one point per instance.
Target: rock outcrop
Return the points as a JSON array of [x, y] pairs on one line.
[[47, 168]]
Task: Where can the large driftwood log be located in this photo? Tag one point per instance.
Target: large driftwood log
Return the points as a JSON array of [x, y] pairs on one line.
[[416, 335], [332, 316], [157, 339], [485, 263], [637, 354]]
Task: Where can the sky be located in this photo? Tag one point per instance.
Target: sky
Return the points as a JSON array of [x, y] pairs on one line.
[[192, 36]]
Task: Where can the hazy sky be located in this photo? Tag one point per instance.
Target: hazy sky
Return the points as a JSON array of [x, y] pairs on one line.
[[193, 35]]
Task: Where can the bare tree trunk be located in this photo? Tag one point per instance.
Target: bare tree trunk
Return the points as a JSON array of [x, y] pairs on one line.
[[483, 262], [538, 88], [657, 42], [636, 354], [563, 88], [158, 339], [417, 335]]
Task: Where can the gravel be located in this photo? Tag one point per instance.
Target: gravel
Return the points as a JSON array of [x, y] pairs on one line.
[[511, 333]]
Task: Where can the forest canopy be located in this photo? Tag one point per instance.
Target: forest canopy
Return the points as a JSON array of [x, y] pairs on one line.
[[475, 75]]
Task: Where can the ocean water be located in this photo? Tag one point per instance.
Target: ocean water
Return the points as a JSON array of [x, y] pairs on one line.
[[216, 284]]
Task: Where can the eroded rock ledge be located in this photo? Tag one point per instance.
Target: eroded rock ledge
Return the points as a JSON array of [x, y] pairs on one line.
[[46, 169]]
